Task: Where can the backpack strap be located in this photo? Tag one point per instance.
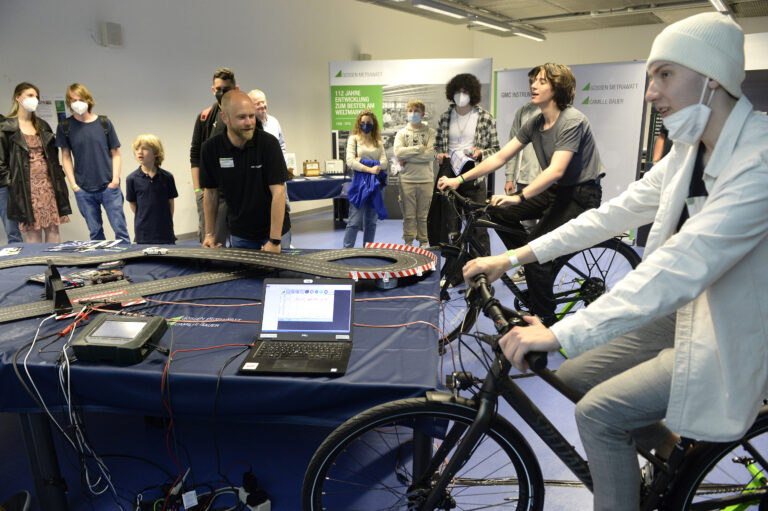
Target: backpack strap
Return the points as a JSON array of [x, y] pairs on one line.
[[104, 124], [205, 113]]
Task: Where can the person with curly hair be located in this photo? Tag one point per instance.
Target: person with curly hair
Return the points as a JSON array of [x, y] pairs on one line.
[[468, 131], [568, 184]]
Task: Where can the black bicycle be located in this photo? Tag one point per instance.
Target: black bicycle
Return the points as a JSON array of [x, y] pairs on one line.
[[446, 451], [580, 277]]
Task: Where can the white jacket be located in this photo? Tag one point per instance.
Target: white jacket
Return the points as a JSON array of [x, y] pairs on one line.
[[712, 272]]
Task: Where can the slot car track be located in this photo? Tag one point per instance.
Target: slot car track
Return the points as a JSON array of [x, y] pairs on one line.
[[122, 291], [320, 264], [404, 261]]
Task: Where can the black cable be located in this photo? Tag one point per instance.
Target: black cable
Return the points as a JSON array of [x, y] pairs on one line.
[[213, 414]]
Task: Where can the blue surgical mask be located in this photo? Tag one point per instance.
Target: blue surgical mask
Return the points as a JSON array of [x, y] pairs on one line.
[[366, 127], [413, 117]]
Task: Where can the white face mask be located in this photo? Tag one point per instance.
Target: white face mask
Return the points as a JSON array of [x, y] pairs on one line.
[[461, 99], [29, 104], [687, 125], [79, 107]]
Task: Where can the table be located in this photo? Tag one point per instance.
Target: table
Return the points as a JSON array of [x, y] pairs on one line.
[[386, 363], [314, 188]]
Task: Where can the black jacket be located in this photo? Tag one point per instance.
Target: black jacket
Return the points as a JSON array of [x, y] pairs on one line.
[[14, 170]]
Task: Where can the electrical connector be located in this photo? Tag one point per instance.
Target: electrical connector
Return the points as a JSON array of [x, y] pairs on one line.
[[254, 498]]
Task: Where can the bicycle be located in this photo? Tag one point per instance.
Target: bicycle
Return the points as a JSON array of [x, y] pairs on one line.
[[580, 277], [445, 451]]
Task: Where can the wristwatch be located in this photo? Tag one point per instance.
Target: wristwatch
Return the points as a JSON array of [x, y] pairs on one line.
[[519, 193], [275, 241]]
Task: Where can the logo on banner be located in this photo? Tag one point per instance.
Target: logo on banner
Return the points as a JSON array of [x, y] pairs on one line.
[[610, 87]]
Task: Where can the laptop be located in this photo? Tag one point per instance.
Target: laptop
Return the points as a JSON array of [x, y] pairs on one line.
[[306, 328]]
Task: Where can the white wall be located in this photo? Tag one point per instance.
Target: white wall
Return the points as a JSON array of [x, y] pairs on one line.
[[160, 79]]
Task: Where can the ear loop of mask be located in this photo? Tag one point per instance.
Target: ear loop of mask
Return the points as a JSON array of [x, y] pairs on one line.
[[704, 91]]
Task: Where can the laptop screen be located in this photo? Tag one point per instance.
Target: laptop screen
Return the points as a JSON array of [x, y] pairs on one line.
[[307, 309]]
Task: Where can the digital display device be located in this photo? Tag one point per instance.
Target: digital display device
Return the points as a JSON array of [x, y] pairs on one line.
[[118, 339]]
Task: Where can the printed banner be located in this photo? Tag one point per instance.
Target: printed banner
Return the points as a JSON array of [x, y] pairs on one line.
[[610, 95]]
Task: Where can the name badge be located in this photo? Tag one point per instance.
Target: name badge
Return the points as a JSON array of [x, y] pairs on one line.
[[226, 163]]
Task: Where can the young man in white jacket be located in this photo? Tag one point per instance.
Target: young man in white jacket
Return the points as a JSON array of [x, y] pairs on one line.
[[682, 338]]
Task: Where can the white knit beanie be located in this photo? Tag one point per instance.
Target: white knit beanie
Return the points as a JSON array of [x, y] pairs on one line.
[[710, 43]]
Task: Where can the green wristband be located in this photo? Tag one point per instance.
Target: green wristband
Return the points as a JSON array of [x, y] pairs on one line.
[[198, 190], [462, 179], [513, 258]]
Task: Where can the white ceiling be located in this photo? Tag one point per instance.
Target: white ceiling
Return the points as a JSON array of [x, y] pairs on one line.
[[573, 15]]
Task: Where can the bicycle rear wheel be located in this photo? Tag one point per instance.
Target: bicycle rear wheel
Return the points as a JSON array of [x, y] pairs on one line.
[[368, 462], [582, 277], [731, 476]]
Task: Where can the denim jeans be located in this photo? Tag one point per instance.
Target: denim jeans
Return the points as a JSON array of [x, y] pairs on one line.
[[365, 217], [12, 231], [90, 203], [238, 242]]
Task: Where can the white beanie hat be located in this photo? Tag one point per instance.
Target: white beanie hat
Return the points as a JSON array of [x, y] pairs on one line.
[[710, 43]]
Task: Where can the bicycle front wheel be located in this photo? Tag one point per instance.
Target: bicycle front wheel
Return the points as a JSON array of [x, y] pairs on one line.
[[582, 277], [730, 476], [369, 462]]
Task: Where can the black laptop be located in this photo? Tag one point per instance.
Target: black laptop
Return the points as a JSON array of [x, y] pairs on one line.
[[306, 328]]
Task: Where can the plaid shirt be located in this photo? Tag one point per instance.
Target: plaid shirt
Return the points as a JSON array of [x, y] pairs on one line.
[[486, 138]]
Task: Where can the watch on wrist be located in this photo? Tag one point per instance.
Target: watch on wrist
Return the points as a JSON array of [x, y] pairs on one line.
[[275, 241], [519, 193]]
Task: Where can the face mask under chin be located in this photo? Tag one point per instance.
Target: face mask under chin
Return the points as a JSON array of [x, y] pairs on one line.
[[687, 125]]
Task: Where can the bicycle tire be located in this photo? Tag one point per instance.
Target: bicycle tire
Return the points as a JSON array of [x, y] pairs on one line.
[[582, 277], [710, 471], [368, 459]]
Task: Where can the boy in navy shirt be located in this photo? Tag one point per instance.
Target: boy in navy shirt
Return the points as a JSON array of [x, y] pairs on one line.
[[150, 191]]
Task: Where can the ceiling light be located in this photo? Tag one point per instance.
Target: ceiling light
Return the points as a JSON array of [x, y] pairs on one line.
[[530, 34], [719, 5], [493, 26], [439, 9]]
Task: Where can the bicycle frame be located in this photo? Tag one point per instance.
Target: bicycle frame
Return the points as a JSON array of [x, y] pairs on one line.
[[466, 243], [498, 382]]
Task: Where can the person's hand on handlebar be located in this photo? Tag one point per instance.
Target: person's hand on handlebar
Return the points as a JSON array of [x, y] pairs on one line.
[[521, 340], [493, 267], [445, 182], [505, 200]]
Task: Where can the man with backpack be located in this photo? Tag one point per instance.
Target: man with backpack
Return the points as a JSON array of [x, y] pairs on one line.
[[207, 124], [95, 174]]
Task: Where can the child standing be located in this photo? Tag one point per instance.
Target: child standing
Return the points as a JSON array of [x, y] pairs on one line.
[[415, 147], [150, 191]]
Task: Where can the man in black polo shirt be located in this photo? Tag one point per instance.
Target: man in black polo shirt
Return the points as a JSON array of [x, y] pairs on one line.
[[248, 166]]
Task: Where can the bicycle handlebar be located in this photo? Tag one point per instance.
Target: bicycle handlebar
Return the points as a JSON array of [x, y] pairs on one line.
[[467, 203], [504, 322]]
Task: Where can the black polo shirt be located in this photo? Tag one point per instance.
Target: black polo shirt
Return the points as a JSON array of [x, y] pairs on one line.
[[244, 176], [154, 221]]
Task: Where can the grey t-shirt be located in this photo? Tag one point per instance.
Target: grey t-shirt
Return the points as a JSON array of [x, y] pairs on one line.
[[571, 132]]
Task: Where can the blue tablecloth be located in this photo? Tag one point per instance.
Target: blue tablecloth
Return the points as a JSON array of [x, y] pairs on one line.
[[313, 188], [386, 363]]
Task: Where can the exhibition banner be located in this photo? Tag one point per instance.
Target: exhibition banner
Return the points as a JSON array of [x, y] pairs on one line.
[[385, 87], [372, 84], [610, 95]]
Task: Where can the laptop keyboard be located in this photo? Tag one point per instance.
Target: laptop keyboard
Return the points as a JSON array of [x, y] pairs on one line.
[[301, 350]]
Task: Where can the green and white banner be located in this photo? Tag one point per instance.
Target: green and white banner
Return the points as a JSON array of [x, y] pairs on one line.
[[610, 95], [382, 85]]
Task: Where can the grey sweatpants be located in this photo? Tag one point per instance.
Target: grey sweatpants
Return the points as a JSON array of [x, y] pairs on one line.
[[627, 383]]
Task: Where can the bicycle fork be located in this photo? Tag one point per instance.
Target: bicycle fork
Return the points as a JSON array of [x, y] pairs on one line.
[[468, 439]]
